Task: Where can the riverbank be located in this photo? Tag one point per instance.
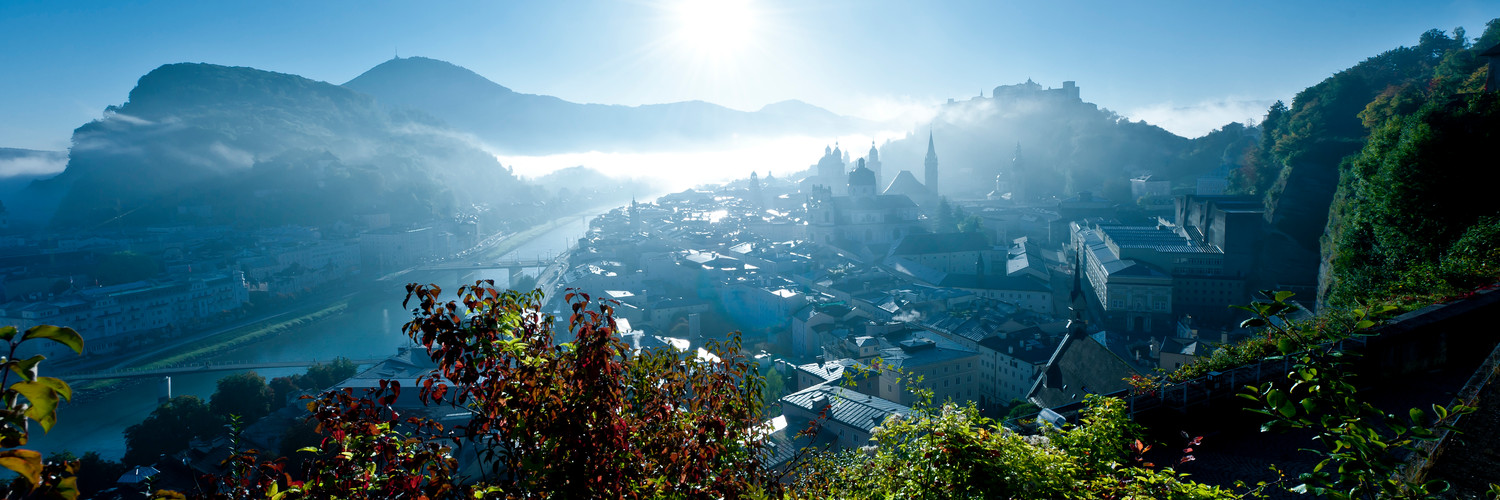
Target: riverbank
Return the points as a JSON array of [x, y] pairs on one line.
[[219, 343], [211, 344]]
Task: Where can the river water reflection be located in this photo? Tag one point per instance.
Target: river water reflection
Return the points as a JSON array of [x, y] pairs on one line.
[[369, 328]]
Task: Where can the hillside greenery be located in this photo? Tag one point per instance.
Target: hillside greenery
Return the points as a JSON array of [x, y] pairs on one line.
[[1411, 222], [1315, 165]]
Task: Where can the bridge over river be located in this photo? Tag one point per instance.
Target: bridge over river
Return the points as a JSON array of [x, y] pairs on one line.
[[187, 368], [510, 264]]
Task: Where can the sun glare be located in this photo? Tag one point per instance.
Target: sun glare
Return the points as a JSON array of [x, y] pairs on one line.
[[716, 28]]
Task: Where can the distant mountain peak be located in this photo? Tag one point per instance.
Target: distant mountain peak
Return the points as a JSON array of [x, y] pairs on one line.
[[423, 71]]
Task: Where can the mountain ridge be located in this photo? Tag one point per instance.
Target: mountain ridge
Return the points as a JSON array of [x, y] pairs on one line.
[[521, 123], [202, 134]]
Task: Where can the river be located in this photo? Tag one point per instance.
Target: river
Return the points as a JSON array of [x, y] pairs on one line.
[[369, 328]]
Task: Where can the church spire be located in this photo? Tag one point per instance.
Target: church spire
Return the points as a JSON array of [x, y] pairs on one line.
[[1077, 326], [931, 177]]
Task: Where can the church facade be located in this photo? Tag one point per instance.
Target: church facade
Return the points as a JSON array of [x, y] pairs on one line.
[[863, 216]]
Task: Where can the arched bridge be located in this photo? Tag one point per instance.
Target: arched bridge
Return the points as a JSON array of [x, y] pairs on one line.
[[188, 368]]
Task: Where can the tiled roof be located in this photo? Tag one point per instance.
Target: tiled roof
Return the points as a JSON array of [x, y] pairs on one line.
[[1080, 366], [926, 243], [993, 282], [906, 184], [848, 407]]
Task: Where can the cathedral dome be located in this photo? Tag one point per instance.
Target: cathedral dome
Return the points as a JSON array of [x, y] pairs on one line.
[[862, 176]]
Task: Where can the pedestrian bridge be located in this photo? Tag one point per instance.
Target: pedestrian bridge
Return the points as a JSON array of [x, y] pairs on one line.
[[191, 368], [511, 264]]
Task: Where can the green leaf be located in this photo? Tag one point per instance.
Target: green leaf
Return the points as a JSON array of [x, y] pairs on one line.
[[7, 333], [1417, 416], [43, 402], [66, 488], [27, 463], [1283, 295], [58, 385], [1253, 323], [1286, 345], [26, 368], [62, 335]]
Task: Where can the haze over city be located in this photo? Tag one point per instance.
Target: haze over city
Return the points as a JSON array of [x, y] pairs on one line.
[[1187, 68]]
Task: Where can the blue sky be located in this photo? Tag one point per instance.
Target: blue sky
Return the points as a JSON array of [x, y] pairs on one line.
[[1186, 65]]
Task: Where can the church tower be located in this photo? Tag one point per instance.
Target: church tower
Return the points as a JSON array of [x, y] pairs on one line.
[[1017, 173], [872, 162], [931, 179], [755, 196]]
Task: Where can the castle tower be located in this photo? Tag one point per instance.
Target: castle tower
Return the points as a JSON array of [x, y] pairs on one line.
[[931, 177], [872, 162]]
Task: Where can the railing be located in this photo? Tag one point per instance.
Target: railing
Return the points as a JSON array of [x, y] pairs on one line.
[[1202, 390], [1415, 469]]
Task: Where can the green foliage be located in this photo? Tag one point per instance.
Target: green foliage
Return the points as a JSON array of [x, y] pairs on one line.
[[1020, 409], [1363, 447], [771, 395], [93, 471], [587, 418], [124, 267], [33, 397], [1278, 331], [321, 376], [522, 282], [243, 394], [953, 452], [318, 377], [1404, 205], [971, 224], [169, 429]]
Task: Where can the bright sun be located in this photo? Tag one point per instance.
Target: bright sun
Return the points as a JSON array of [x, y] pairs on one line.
[[715, 28]]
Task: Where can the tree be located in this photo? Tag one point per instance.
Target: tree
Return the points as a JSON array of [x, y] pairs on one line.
[[124, 267], [244, 394], [774, 390], [282, 388], [523, 282], [322, 376], [971, 224], [94, 473], [169, 429], [588, 418]]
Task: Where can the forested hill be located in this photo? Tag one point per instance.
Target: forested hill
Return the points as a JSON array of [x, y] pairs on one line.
[[520, 123], [263, 148], [1065, 146], [1363, 202]]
